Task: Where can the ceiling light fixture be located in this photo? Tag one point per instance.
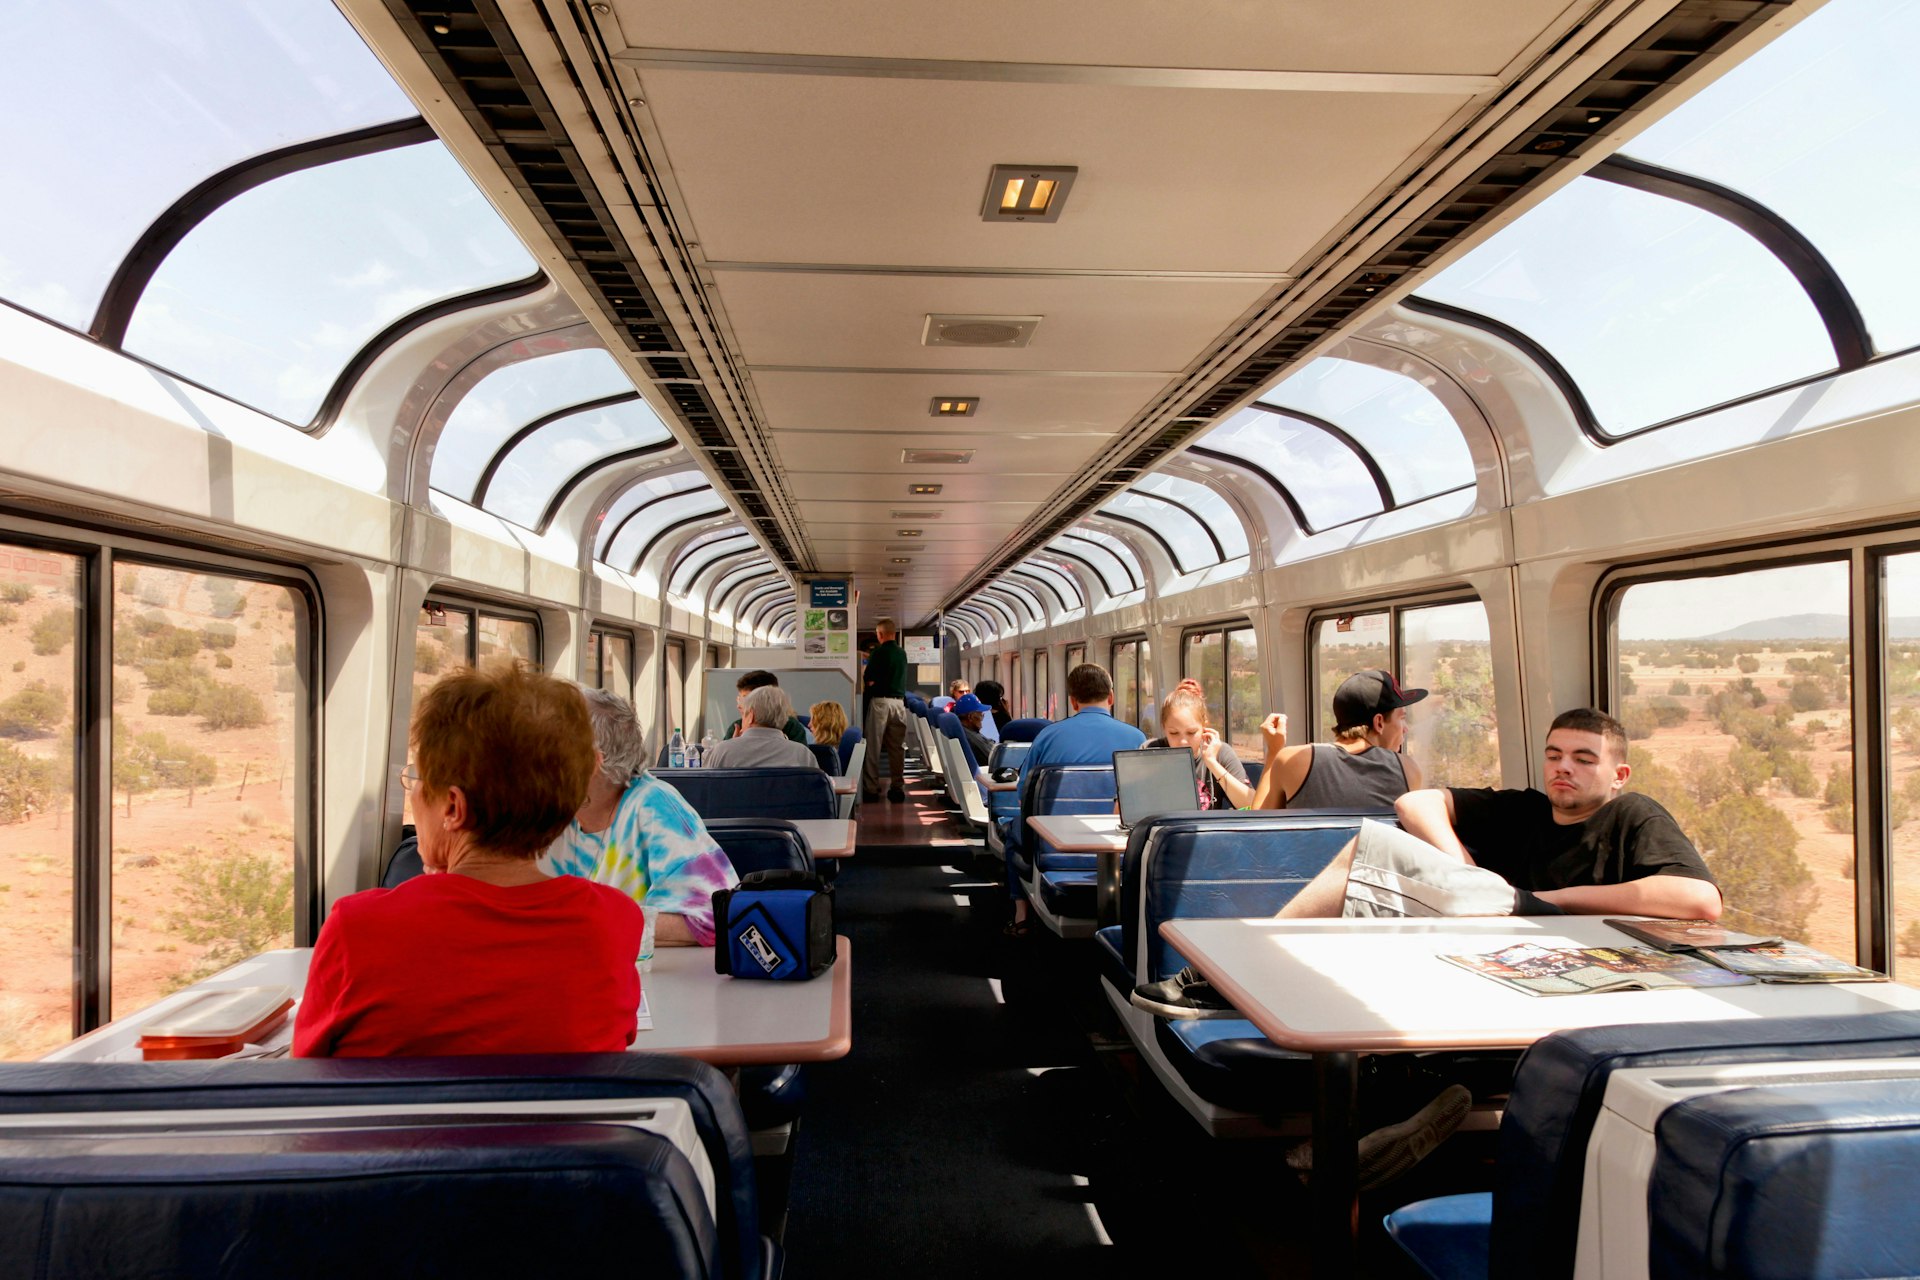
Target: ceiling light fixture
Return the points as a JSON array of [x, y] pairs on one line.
[[906, 533], [923, 490], [953, 406], [902, 560], [941, 457], [1026, 192], [953, 329]]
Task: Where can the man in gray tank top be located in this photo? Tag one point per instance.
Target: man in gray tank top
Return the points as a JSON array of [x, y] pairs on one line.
[[1362, 767]]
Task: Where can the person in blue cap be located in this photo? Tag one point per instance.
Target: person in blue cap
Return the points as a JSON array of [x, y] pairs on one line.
[[972, 712]]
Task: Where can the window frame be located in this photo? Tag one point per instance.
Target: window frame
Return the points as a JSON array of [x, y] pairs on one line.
[[1393, 608], [603, 631], [1226, 628]]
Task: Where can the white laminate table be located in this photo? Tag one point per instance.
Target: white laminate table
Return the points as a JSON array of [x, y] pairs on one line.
[[696, 1012], [1097, 833], [986, 780], [1341, 988], [829, 837], [844, 786]]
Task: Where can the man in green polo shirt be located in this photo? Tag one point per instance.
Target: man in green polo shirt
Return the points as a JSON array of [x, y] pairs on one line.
[[882, 688]]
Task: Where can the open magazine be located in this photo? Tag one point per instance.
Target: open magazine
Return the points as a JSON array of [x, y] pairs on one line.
[[1567, 971], [1768, 959]]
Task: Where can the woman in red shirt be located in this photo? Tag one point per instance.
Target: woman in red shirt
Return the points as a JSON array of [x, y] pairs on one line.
[[485, 953]]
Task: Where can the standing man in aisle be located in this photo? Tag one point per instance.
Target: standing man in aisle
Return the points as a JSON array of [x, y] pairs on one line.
[[882, 688]]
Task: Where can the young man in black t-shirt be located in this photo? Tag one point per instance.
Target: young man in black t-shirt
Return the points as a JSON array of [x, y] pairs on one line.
[[1583, 846]]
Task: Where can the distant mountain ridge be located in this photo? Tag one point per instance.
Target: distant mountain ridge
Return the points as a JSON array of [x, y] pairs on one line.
[[1805, 626]]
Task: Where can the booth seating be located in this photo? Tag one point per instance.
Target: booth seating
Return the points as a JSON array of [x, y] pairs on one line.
[[754, 793], [920, 733], [1025, 729], [1529, 1225], [1206, 866], [1060, 887], [761, 844], [848, 740], [856, 766], [1002, 806], [250, 1193], [828, 757], [959, 771]]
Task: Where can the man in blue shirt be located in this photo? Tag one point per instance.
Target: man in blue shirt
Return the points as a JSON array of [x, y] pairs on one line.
[[1090, 735]]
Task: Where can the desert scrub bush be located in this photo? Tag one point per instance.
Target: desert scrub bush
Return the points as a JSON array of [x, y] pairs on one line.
[[219, 635], [234, 904], [16, 592], [33, 711], [52, 633], [228, 706], [27, 785]]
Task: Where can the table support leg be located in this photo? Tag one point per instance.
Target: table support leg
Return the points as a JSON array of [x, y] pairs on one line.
[[1334, 1185], [1106, 889]]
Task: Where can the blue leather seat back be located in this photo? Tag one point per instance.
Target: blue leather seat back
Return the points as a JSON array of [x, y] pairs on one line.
[[405, 863], [340, 1202], [1219, 865], [1794, 1182], [1254, 769], [1062, 788], [847, 742], [754, 793], [1562, 1081], [828, 757], [1025, 729], [1008, 754], [761, 844], [805, 718], [949, 725], [42, 1089]]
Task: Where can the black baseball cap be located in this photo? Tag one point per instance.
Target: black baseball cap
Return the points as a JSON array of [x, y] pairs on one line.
[[1367, 694]]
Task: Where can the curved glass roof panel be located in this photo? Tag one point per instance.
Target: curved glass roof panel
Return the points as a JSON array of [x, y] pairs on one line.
[[1210, 507], [533, 471], [1655, 308], [509, 399], [734, 577], [1402, 425], [1193, 548], [133, 103], [691, 504], [635, 500], [1116, 547], [1113, 571], [703, 551], [1067, 591], [1815, 126], [269, 297], [1324, 476]]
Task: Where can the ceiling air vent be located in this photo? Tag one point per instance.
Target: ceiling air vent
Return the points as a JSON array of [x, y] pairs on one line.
[[947, 457], [979, 331]]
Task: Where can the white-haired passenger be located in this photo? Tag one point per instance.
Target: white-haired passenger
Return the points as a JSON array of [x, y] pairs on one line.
[[640, 836], [762, 742]]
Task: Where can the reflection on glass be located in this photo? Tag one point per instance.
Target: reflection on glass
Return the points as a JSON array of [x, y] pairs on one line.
[[1408, 432], [39, 620], [1901, 647], [1244, 707], [515, 637], [1736, 694], [1322, 474], [269, 297], [1453, 734], [1655, 308], [1342, 646], [134, 102], [1206, 661], [530, 477], [205, 730], [1806, 127], [1126, 680]]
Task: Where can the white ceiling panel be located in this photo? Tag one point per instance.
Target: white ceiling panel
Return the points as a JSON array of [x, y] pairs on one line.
[[822, 514], [1091, 323], [1305, 35], [822, 169], [877, 458], [822, 401]]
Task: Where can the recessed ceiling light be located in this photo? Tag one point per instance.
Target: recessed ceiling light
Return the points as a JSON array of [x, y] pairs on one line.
[[923, 490], [1026, 192], [955, 330], [914, 515], [906, 533], [902, 560], [945, 457], [953, 406]]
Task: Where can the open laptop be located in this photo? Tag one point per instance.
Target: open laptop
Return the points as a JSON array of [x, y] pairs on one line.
[[1156, 781]]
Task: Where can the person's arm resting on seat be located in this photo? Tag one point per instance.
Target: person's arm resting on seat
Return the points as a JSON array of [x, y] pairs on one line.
[[1429, 815]]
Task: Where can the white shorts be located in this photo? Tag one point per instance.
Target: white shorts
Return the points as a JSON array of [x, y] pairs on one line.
[[1396, 874]]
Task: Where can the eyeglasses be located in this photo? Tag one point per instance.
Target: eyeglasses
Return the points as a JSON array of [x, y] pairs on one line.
[[409, 778]]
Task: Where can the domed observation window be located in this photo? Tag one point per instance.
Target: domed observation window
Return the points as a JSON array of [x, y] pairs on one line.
[[1400, 425], [1319, 474], [514, 401]]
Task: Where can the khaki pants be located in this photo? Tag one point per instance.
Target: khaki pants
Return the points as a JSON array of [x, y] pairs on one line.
[[885, 732]]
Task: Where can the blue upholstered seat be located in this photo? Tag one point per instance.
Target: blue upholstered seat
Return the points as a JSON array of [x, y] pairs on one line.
[[847, 743], [1064, 882], [1445, 1237], [761, 844], [1025, 729], [326, 1201], [754, 793]]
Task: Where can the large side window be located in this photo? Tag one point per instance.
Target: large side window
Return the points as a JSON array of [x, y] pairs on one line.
[[1343, 645], [1076, 656], [610, 661], [1736, 693], [40, 596], [1040, 700], [1133, 692], [1226, 662], [675, 690], [1900, 652]]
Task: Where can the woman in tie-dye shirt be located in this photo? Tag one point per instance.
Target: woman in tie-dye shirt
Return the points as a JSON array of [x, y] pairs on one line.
[[639, 836]]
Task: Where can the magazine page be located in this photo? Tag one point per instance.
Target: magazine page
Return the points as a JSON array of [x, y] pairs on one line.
[[1565, 971], [1791, 962], [1690, 935]]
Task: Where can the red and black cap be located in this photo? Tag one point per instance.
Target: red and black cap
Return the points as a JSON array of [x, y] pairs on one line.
[[1367, 694]]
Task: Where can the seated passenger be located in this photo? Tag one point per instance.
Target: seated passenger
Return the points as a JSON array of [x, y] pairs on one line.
[[972, 713], [994, 695], [458, 960], [639, 835], [761, 744], [745, 685], [1362, 767], [955, 691], [1089, 735], [1184, 723], [828, 723]]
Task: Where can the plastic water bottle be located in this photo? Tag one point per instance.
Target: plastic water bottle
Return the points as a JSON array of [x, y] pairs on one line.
[[677, 751], [706, 746], [694, 755]]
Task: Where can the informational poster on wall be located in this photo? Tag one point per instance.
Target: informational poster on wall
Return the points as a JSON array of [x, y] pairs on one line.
[[827, 624], [922, 650]]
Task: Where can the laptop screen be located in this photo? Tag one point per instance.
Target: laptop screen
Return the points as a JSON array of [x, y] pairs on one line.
[[1153, 782]]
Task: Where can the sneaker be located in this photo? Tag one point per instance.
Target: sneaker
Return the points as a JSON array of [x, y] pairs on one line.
[[1387, 1153], [897, 794], [1185, 995]]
